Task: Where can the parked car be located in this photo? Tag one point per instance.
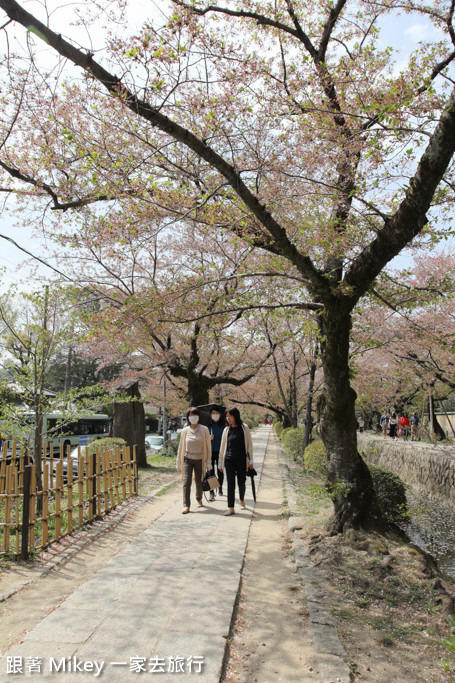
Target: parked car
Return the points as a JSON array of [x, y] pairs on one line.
[[28, 459], [74, 456], [109, 444], [154, 442]]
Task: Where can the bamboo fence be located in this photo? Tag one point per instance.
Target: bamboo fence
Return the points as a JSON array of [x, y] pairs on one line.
[[71, 494]]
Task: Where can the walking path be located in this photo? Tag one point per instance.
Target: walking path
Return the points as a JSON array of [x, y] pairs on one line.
[[282, 633], [162, 605]]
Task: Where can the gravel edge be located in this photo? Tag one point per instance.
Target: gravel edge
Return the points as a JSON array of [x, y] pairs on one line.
[[328, 647]]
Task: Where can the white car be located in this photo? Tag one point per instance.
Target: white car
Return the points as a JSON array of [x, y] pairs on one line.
[[154, 442], [74, 456]]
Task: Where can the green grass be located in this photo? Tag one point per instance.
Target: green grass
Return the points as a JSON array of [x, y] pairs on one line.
[[393, 631], [159, 470], [166, 488], [342, 613]]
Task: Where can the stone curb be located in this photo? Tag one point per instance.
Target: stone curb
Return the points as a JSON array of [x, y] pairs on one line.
[[328, 647], [54, 555]]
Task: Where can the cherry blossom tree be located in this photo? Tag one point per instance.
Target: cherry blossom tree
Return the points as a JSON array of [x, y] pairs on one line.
[[287, 383], [149, 289], [405, 337], [292, 128]]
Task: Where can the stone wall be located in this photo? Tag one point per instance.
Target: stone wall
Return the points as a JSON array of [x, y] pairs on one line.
[[429, 468]]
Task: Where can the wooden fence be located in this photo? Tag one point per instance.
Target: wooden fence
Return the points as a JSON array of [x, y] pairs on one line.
[[72, 494]]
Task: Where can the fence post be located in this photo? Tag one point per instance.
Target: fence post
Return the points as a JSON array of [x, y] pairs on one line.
[[92, 484], [26, 512], [135, 472]]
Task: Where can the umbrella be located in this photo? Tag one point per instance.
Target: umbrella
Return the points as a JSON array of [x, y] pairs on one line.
[[251, 472]]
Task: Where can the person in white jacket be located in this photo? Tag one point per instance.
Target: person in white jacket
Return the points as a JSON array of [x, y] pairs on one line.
[[236, 455], [193, 455]]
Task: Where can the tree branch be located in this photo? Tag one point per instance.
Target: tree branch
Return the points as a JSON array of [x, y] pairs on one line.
[[115, 87], [410, 217]]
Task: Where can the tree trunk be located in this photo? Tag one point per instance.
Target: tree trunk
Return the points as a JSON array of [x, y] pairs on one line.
[[38, 457], [348, 478], [129, 420], [309, 407], [198, 393], [286, 422], [435, 427], [293, 403]]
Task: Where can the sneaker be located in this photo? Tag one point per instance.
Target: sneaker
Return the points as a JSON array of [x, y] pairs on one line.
[[229, 512], [185, 511]]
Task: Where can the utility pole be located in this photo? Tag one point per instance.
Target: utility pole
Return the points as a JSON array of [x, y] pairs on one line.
[[68, 373], [164, 409]]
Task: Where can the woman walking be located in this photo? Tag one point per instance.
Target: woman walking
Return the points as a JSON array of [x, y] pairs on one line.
[[236, 455], [393, 426], [193, 455], [216, 432]]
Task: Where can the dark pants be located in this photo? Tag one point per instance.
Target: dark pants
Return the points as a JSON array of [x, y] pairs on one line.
[[219, 475], [189, 466], [235, 468]]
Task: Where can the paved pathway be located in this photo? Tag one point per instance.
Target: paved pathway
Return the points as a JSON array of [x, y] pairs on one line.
[[163, 604]]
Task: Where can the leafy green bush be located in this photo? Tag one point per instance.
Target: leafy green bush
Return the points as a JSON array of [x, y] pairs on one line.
[[292, 440], [278, 427], [170, 448], [315, 458], [390, 489], [391, 493], [450, 645], [103, 444], [284, 432], [253, 420]]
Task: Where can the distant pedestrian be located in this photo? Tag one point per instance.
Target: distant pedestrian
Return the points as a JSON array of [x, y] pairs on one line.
[[414, 426], [405, 426], [216, 430], [384, 422], [393, 426], [193, 456], [236, 455]]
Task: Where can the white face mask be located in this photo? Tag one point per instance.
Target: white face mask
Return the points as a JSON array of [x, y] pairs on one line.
[[215, 417], [194, 419]]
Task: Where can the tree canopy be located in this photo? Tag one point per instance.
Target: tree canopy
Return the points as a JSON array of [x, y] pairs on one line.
[[291, 129]]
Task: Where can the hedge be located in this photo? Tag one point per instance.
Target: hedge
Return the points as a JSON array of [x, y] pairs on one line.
[[389, 488], [292, 440], [278, 427]]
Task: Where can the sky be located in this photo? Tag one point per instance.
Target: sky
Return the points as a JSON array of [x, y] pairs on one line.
[[400, 31], [17, 262], [14, 270], [13, 261]]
